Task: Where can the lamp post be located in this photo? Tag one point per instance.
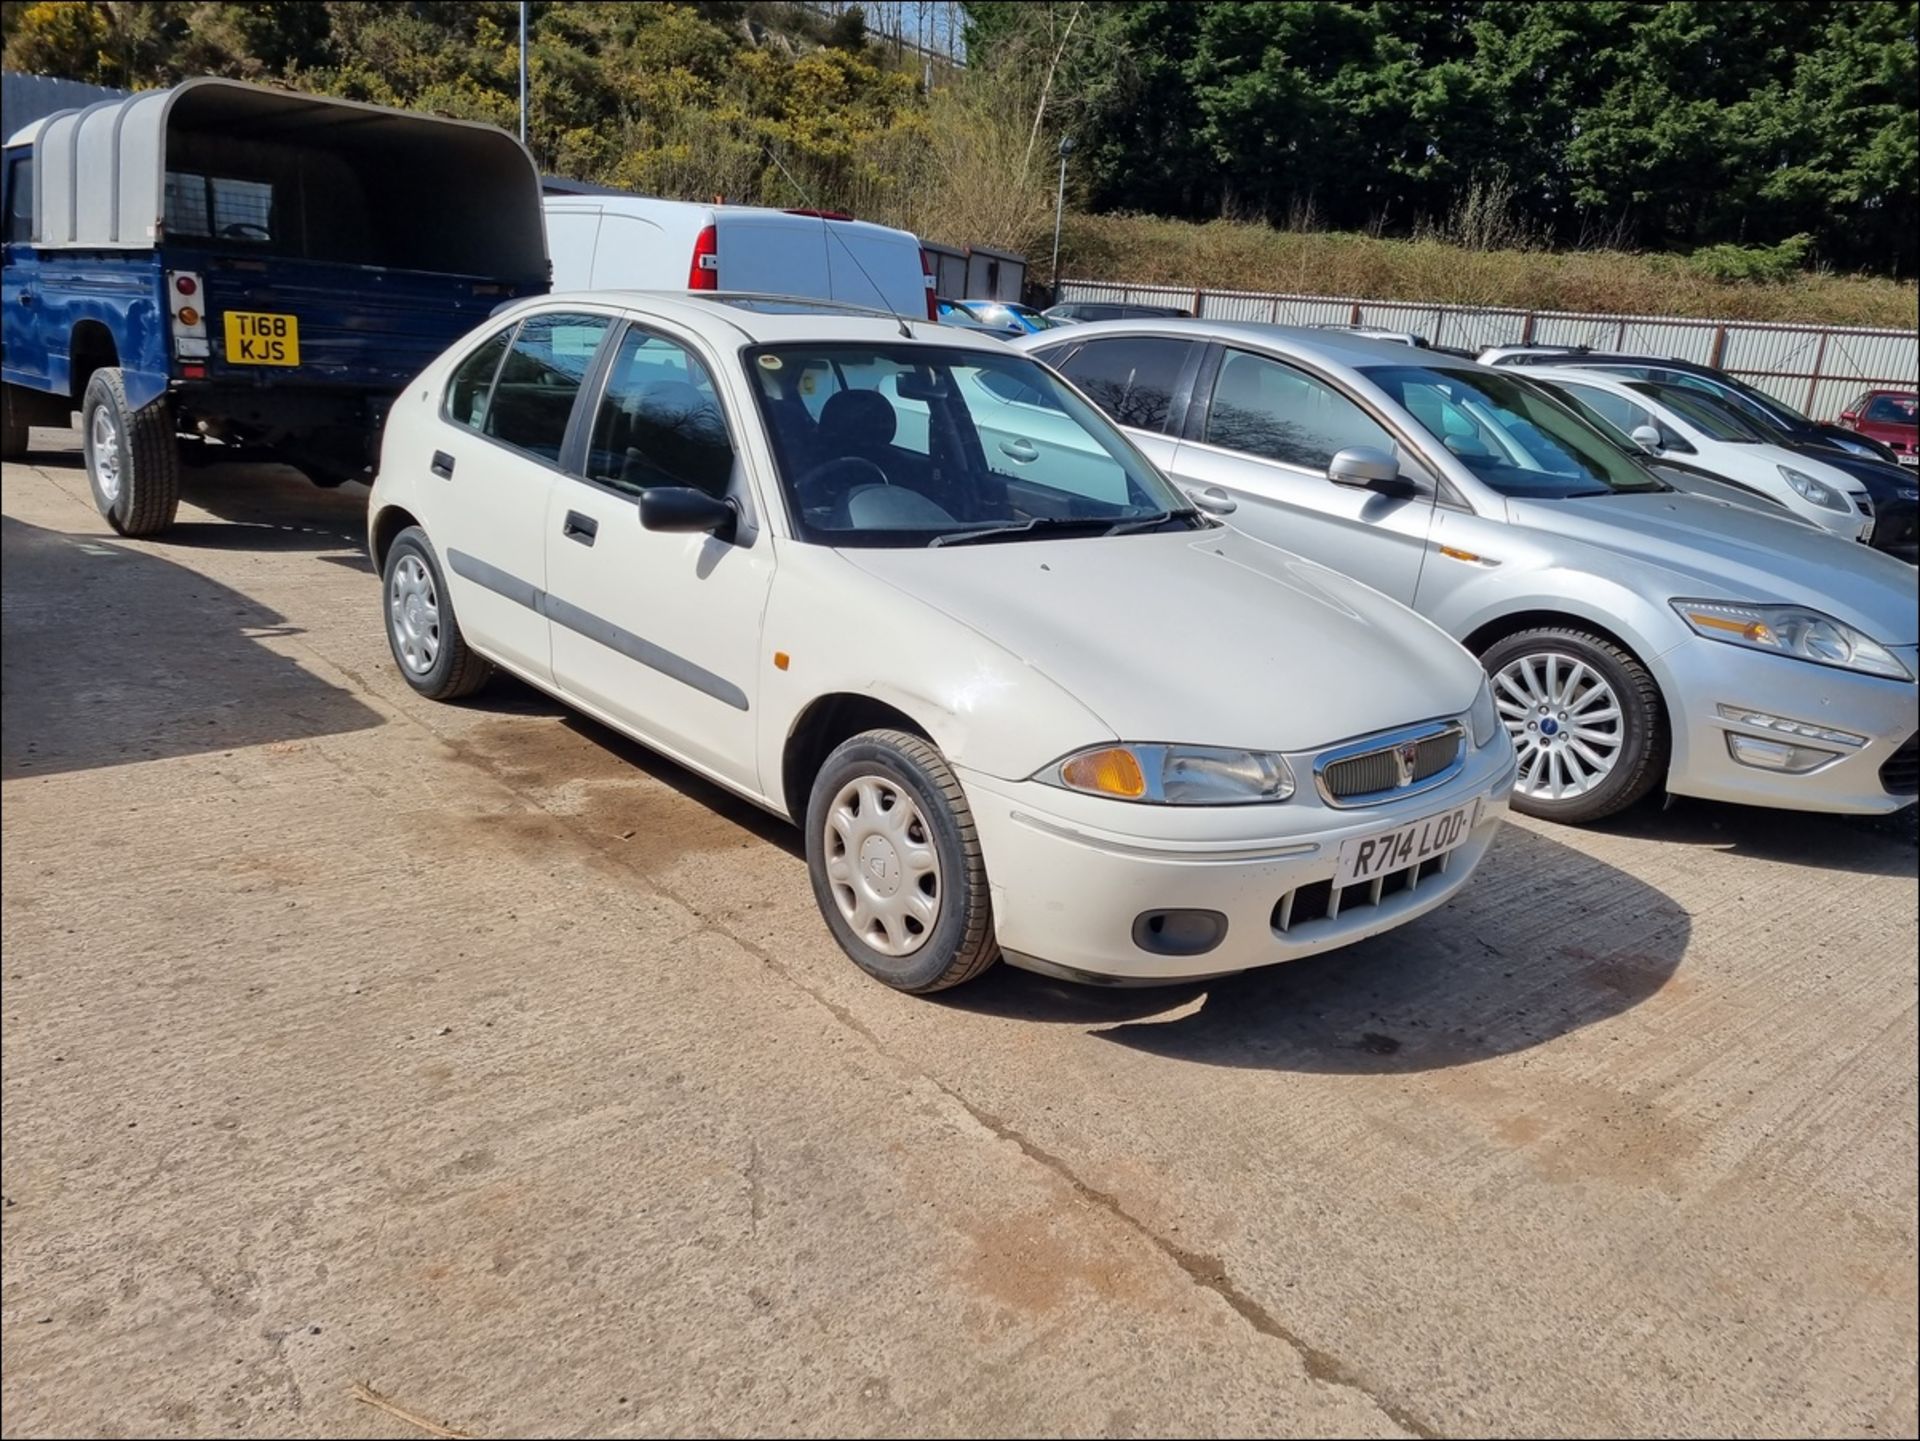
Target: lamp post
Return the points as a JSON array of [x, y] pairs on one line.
[[1059, 207], [523, 72]]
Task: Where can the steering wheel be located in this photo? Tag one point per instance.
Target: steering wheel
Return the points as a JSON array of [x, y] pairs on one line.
[[816, 495], [246, 230]]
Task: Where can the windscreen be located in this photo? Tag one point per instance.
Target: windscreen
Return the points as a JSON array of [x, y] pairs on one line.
[[913, 445]]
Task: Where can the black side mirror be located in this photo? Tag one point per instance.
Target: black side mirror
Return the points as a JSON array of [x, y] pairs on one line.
[[682, 508]]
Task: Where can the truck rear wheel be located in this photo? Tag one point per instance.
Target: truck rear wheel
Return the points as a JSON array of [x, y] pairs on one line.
[[133, 459]]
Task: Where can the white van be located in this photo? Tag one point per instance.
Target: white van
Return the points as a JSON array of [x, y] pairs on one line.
[[632, 242]]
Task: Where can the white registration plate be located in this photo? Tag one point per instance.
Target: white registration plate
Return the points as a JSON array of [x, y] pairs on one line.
[[1367, 858], [1908, 457]]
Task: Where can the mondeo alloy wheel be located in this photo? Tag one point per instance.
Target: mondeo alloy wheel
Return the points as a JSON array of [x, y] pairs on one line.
[[413, 613], [1565, 722], [882, 865], [1588, 725]]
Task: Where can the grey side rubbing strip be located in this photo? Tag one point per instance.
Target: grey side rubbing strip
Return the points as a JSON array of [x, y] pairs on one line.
[[593, 627], [639, 648], [495, 579]]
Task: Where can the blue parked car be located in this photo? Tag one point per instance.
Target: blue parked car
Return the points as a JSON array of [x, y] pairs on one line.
[[219, 271], [1008, 315]]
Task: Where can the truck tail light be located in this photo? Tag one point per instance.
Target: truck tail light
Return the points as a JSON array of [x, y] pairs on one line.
[[926, 279], [704, 272], [188, 323]]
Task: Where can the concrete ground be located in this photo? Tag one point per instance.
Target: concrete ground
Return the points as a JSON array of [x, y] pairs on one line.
[[477, 1056]]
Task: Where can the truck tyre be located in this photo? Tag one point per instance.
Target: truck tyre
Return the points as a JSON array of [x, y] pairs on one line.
[[13, 431], [133, 459]]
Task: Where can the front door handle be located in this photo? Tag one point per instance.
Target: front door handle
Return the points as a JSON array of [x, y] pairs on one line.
[[582, 528], [1213, 500], [1023, 451], [443, 465]]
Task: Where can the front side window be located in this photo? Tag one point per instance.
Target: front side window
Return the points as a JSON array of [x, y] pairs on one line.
[[20, 199], [915, 445], [539, 381], [1524, 443], [1132, 378], [659, 421], [1263, 408]]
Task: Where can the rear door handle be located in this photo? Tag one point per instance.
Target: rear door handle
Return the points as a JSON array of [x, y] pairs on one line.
[[443, 465], [582, 528]]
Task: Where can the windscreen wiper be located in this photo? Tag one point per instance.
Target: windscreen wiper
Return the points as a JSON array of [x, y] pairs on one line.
[[1039, 525], [1148, 522]]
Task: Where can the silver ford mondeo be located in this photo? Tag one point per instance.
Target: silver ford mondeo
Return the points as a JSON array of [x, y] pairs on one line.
[[1637, 637]]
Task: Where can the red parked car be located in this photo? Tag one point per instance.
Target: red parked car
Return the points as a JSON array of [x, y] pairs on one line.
[[1888, 417]]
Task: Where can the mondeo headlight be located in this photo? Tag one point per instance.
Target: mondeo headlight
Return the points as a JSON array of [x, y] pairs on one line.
[[1174, 775], [1817, 492], [1791, 630]]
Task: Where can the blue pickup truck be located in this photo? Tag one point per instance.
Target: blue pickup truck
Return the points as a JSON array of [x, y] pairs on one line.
[[221, 271]]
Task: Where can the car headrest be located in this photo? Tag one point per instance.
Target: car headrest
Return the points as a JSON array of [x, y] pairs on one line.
[[859, 419]]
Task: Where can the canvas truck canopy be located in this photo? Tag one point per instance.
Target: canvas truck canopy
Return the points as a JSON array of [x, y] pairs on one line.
[[221, 164]]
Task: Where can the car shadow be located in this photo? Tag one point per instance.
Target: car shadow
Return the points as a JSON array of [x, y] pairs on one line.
[[259, 506], [1544, 940], [1886, 845], [507, 696], [114, 655]]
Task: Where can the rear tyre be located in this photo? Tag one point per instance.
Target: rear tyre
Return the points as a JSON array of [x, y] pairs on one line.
[[1586, 722], [432, 654], [13, 430], [896, 865], [133, 458]]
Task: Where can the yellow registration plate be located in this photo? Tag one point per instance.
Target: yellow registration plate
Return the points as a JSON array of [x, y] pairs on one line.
[[257, 338]]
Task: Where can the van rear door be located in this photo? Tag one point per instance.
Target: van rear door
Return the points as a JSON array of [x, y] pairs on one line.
[[772, 253], [874, 266]]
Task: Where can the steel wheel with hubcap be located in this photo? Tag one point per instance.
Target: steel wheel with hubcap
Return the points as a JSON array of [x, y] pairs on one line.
[[413, 615], [1586, 721], [434, 658], [895, 863], [882, 866]]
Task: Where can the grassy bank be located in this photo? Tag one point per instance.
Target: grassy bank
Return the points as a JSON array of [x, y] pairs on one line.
[[1231, 255]]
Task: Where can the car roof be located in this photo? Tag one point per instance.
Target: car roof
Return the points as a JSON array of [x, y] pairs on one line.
[[1342, 347], [755, 319]]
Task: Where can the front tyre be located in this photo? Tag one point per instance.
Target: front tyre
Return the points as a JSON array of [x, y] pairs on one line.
[[896, 865], [433, 656], [1586, 723], [133, 456]]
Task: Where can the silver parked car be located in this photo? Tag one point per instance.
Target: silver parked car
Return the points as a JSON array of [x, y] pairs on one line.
[[1637, 636]]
